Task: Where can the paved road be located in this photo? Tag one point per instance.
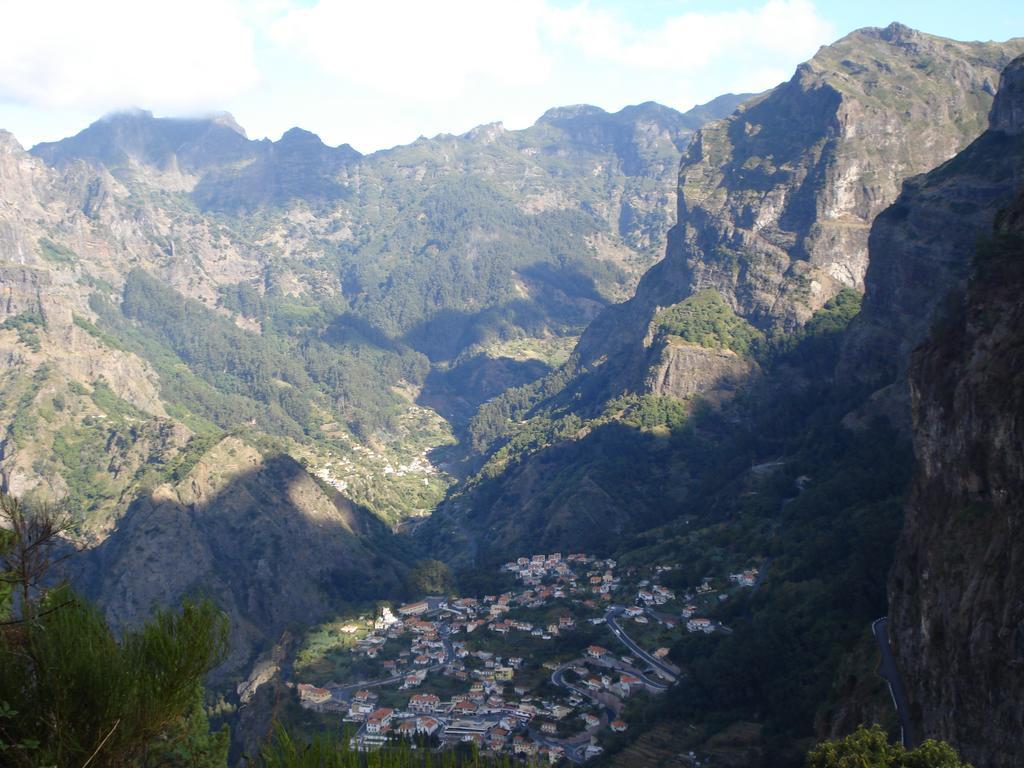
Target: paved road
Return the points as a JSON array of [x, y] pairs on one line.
[[666, 670], [629, 669], [576, 746], [889, 672], [449, 655]]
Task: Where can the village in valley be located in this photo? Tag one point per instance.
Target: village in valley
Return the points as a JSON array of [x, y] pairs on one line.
[[547, 670]]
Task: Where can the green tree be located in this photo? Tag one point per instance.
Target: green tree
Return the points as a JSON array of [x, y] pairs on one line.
[[326, 751], [73, 694], [190, 743], [870, 748]]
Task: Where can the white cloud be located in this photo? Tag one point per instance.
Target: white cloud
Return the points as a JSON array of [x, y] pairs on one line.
[[694, 41], [419, 50], [104, 54], [378, 72]]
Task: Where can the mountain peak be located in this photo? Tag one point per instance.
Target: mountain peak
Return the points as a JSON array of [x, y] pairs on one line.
[[300, 136], [899, 33], [227, 120], [571, 111], [486, 133], [8, 142]]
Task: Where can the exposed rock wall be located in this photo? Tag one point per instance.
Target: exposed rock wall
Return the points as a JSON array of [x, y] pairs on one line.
[[686, 370], [921, 247], [776, 201], [957, 589], [21, 291]]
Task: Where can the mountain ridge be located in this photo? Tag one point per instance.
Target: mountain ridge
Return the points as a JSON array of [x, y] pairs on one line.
[[148, 330], [752, 232], [738, 254]]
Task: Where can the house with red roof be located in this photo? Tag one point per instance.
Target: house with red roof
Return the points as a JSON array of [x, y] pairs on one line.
[[380, 721], [596, 651]]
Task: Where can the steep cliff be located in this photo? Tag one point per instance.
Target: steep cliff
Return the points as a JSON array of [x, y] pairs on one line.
[[688, 370], [921, 248], [776, 201], [780, 468], [775, 206], [957, 588]]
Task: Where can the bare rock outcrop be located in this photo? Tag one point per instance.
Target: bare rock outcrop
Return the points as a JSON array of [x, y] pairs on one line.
[[776, 201], [687, 370]]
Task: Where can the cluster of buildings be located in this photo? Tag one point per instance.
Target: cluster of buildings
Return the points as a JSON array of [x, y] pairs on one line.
[[695, 623], [495, 709], [558, 576], [488, 721], [653, 594], [339, 470]]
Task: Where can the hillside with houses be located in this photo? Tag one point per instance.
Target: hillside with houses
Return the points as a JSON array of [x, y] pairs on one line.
[[554, 666]]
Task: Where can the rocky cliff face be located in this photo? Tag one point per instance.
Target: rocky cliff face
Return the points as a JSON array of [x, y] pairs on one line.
[[775, 207], [957, 588], [22, 291], [687, 370], [922, 245], [776, 202]]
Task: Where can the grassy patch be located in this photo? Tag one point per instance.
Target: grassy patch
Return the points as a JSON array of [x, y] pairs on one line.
[[113, 406], [56, 253]]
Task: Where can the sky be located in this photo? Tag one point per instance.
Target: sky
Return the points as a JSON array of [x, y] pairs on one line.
[[376, 73]]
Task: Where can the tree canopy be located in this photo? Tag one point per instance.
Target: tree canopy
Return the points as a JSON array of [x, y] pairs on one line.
[[72, 693], [870, 748]]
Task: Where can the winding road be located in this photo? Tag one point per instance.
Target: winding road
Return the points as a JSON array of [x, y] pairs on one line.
[[449, 655], [889, 671], [575, 747], [667, 671]]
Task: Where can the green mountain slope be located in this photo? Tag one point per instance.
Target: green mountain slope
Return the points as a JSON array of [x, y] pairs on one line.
[[754, 257], [194, 325]]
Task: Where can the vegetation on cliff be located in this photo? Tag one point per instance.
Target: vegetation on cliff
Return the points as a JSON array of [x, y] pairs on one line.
[[706, 320]]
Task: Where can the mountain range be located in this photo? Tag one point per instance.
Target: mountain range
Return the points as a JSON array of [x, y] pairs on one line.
[[781, 328], [770, 231], [186, 310]]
